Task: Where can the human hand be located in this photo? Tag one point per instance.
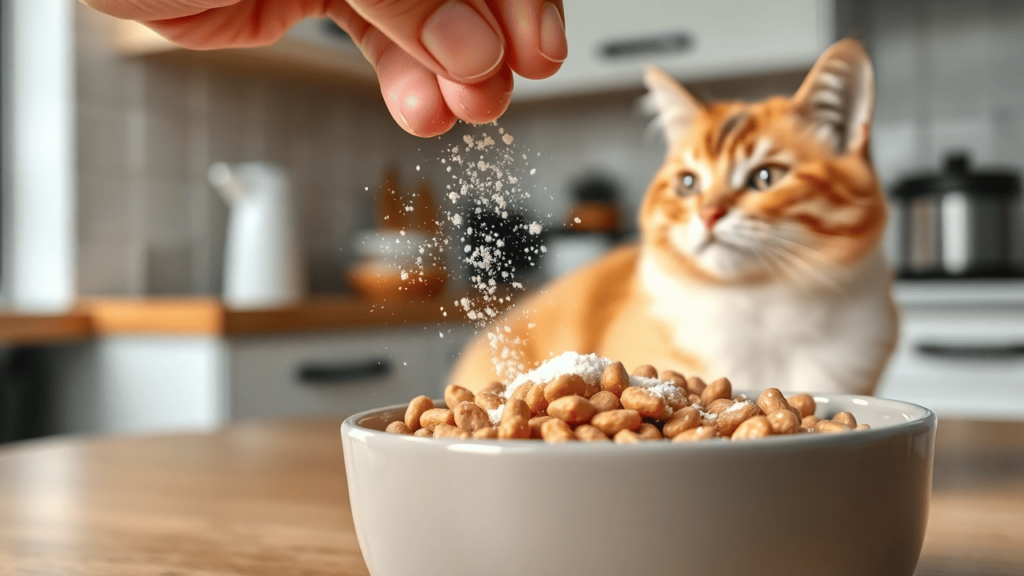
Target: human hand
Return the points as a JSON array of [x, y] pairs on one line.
[[436, 60]]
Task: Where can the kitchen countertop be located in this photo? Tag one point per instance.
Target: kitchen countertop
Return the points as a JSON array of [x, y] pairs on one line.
[[209, 316], [270, 498], [29, 329]]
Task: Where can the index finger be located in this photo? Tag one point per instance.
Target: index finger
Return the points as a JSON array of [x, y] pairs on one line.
[[155, 9]]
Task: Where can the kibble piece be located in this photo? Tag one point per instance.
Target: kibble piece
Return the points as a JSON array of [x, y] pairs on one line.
[[514, 428], [681, 421], [720, 388], [398, 427], [521, 391], [605, 401], [435, 416], [612, 421], [424, 432], [645, 371], [796, 413], [574, 410], [804, 403], [455, 395], [719, 406], [728, 421], [649, 431], [536, 401], [488, 400], [614, 379], [676, 378], [696, 434], [446, 431], [862, 427], [554, 430], [830, 427], [486, 434], [516, 409], [494, 388], [755, 427], [471, 417], [695, 385], [626, 437], [784, 422], [565, 385], [676, 400], [590, 433], [647, 404], [772, 400], [417, 407], [845, 418], [535, 424]]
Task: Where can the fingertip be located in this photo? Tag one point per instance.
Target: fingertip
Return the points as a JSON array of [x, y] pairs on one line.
[[412, 95], [479, 103]]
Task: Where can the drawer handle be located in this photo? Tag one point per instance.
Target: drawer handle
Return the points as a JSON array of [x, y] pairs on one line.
[[325, 374], [670, 43], [972, 351]]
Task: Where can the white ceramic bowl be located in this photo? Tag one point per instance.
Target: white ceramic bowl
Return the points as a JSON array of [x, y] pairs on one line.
[[853, 504]]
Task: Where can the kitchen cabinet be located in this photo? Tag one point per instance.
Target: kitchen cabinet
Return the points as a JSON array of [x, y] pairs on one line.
[[961, 349], [313, 48], [610, 42], [336, 374], [191, 363]]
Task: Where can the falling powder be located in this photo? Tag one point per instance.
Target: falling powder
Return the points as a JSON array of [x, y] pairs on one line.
[[486, 188]]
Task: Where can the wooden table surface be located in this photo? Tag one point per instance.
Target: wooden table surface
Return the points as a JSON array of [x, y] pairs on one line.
[[270, 498]]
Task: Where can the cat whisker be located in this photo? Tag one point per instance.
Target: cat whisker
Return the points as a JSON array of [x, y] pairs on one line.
[[811, 270]]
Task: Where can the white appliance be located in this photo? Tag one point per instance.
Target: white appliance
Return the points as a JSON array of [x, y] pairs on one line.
[[261, 261]]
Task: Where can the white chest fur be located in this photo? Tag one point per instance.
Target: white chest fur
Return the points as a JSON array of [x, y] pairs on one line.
[[777, 335]]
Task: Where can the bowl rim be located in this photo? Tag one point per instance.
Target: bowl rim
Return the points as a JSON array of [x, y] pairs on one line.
[[921, 420]]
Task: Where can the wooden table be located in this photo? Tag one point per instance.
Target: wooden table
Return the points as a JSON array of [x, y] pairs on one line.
[[270, 498]]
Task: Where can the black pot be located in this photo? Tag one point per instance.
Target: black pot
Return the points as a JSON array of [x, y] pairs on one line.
[[958, 223]]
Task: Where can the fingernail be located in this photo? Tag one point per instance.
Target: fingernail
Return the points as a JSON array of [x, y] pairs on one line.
[[463, 42], [552, 34]]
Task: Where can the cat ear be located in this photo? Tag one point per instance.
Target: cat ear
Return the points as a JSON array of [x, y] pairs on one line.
[[838, 96], [676, 108]]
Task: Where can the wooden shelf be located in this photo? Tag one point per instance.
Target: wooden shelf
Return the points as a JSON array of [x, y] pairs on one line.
[[29, 329], [292, 56], [210, 316]]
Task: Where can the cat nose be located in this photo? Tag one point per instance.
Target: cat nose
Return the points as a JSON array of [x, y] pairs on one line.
[[711, 214]]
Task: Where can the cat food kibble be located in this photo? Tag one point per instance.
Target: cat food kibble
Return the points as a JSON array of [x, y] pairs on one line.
[[587, 398]]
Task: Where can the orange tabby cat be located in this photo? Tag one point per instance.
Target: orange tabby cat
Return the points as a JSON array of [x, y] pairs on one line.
[[759, 258]]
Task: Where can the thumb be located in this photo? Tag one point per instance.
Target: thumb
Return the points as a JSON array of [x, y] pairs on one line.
[[457, 39]]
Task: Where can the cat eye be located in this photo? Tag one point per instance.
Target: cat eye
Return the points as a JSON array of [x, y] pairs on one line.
[[687, 184], [764, 177]]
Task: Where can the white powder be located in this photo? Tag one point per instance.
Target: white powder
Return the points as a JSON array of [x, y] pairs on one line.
[[495, 415], [590, 367], [483, 179], [738, 405]]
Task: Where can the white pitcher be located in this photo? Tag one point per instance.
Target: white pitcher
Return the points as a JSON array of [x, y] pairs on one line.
[[261, 260]]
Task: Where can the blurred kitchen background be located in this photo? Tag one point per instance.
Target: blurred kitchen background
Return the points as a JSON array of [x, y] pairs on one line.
[[114, 242]]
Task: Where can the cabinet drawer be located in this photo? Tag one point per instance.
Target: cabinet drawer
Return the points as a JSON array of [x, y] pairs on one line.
[[330, 374], [964, 363]]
